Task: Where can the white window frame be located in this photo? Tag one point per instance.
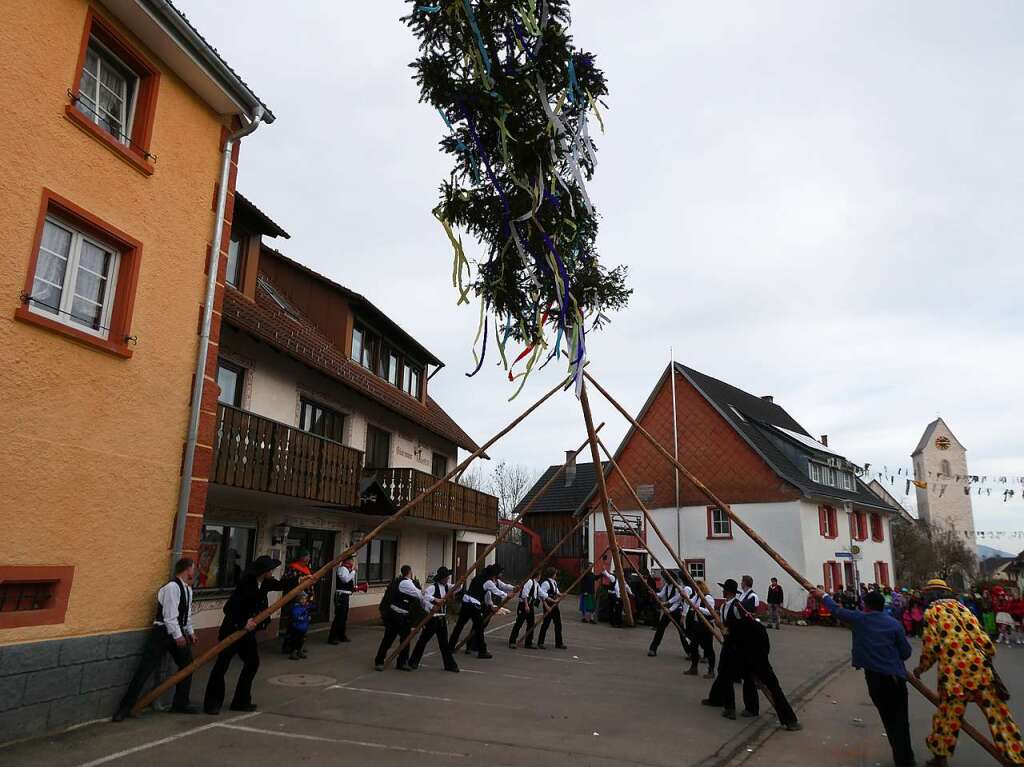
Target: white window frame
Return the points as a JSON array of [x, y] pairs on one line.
[[131, 96], [703, 570], [726, 522], [71, 267]]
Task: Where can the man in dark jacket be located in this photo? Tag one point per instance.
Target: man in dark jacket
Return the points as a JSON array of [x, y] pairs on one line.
[[880, 647], [775, 599], [247, 601]]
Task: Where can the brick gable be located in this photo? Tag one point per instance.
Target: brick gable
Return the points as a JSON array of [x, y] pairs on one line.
[[708, 446]]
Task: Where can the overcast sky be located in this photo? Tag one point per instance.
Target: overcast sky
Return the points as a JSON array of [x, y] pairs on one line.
[[818, 201]]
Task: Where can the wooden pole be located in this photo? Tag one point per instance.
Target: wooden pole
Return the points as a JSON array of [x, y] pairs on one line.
[[711, 627], [650, 590], [978, 737], [229, 640], [482, 558], [603, 492], [519, 586], [683, 567]]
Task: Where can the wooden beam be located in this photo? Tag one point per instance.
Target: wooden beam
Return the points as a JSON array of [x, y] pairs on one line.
[[602, 489], [229, 640]]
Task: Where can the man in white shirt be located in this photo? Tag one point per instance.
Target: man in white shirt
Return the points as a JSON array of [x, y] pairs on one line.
[[529, 600], [474, 601], [436, 594], [172, 633], [748, 597], [345, 583], [615, 596], [405, 598], [550, 596], [676, 604]]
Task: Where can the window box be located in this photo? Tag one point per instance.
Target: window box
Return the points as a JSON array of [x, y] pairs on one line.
[[34, 596], [719, 524], [113, 95], [82, 277]]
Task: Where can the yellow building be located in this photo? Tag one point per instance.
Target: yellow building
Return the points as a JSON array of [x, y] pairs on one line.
[[116, 138]]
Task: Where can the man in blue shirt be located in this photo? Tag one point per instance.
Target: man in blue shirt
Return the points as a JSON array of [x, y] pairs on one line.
[[880, 647]]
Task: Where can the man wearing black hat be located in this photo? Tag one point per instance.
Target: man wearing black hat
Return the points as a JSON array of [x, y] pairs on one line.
[[745, 656], [481, 589], [436, 595], [247, 601]]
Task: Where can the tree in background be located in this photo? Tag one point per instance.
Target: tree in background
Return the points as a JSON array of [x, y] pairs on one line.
[[509, 482], [922, 551]]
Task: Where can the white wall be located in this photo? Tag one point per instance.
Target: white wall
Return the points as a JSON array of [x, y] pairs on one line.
[[791, 528]]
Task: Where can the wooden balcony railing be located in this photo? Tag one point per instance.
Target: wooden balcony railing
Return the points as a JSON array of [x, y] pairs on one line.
[[257, 453], [452, 503]]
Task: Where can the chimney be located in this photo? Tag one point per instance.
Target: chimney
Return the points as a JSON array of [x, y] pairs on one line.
[[768, 398], [570, 467], [824, 440]]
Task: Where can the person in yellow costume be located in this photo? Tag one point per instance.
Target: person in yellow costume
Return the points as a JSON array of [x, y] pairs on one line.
[[963, 651]]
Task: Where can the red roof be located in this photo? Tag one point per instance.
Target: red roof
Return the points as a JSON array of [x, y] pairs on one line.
[[299, 337]]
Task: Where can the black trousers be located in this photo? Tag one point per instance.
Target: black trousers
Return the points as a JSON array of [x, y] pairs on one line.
[[733, 667], [395, 626], [677, 618], [159, 642], [436, 626], [248, 650], [296, 639], [525, 615], [339, 626], [471, 613], [701, 640], [889, 694], [554, 615], [615, 605]]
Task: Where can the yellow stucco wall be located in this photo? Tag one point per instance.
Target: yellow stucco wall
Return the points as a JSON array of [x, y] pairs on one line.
[[92, 442]]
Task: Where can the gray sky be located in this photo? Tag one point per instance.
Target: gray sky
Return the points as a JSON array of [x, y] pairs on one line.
[[819, 201]]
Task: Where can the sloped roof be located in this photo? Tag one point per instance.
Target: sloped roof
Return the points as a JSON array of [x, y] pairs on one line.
[[929, 432], [264, 223], [763, 424], [300, 338], [560, 499], [989, 567], [879, 489]]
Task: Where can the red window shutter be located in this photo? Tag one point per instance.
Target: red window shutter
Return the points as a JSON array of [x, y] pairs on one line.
[[885, 574], [823, 521], [853, 526], [828, 577], [833, 523]]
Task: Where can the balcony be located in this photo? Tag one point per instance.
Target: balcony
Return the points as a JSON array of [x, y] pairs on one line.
[[451, 504], [256, 453]]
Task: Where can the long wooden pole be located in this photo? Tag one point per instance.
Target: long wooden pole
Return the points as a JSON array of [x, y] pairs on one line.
[[482, 558], [771, 552], [684, 568], [650, 589], [602, 489], [229, 640], [533, 573]]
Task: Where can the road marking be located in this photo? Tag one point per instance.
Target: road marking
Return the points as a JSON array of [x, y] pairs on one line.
[[169, 739], [484, 673], [364, 743], [538, 656], [421, 697]]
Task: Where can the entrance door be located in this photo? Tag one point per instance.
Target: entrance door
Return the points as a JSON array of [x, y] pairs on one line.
[[461, 558], [320, 545]]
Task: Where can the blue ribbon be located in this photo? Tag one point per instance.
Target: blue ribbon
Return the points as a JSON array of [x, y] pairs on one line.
[[476, 33]]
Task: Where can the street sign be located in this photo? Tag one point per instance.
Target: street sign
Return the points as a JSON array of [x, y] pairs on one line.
[[844, 555]]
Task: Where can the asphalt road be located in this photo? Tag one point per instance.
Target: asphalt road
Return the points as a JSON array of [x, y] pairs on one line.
[[601, 702]]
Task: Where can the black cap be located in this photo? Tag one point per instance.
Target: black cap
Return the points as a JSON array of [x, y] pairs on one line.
[[730, 585], [263, 564], [442, 573]]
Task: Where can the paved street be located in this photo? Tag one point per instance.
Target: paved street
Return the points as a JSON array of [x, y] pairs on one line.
[[602, 702]]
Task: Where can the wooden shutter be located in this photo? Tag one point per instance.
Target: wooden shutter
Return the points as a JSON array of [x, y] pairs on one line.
[[823, 521]]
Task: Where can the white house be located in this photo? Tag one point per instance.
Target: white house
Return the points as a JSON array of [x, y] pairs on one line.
[[324, 426], [800, 494]]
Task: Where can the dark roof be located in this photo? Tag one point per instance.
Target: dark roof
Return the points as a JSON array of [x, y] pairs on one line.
[[560, 499], [366, 310], [256, 217], [988, 567], [929, 430], [296, 335], [759, 422], [878, 489], [205, 51]]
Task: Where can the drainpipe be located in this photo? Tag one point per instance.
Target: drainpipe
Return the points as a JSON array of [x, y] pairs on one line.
[[204, 336]]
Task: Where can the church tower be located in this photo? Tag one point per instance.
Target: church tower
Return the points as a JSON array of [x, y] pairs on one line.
[[940, 460]]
